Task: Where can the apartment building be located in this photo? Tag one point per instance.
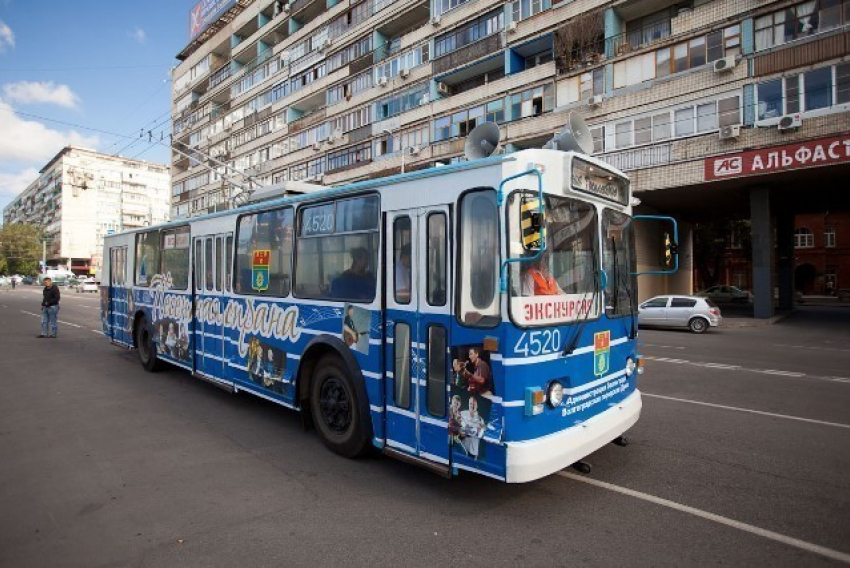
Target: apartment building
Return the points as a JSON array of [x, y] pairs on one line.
[[82, 195], [703, 102]]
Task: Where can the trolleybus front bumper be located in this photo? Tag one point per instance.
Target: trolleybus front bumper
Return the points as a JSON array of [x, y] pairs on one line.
[[533, 459]]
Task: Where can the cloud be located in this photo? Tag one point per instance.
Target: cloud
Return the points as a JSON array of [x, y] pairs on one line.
[[7, 37], [30, 92], [32, 143], [138, 34]]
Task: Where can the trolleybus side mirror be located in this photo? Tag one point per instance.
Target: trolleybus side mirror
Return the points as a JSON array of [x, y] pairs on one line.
[[666, 231]]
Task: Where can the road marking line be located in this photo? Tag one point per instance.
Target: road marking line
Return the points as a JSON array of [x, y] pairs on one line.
[[775, 372], [726, 521], [761, 412], [811, 347], [59, 321], [97, 331]]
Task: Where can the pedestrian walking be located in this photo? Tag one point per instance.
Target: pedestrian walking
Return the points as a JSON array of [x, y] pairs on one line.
[[49, 309], [14, 282]]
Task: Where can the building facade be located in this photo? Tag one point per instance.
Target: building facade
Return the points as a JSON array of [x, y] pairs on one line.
[[81, 195], [699, 101]]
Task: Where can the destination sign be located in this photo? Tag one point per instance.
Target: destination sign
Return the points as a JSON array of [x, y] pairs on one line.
[[592, 179]]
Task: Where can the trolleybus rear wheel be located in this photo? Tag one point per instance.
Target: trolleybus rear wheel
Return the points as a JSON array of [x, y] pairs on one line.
[[336, 409], [146, 347]]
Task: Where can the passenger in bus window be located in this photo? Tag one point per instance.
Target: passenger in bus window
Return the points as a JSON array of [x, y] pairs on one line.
[[538, 281], [356, 283], [402, 275]]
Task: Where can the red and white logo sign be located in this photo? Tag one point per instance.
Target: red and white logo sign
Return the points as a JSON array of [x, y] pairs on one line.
[[811, 153]]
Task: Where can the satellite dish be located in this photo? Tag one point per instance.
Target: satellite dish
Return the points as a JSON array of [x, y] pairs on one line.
[[482, 142], [574, 138]]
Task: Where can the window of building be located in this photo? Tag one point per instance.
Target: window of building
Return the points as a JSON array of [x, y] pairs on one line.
[[818, 88], [803, 238], [477, 29], [829, 237], [337, 250], [532, 102], [842, 80], [770, 99], [623, 134], [443, 6], [264, 253], [522, 9], [799, 21]]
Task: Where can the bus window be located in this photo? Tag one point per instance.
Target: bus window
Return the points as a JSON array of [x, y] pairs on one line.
[[401, 370], [208, 262], [228, 263], [264, 236], [337, 250], [219, 263], [199, 265], [478, 301], [147, 257], [175, 256], [436, 261], [401, 260], [437, 370]]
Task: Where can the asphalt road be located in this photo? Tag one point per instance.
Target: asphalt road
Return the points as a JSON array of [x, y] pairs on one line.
[[740, 458]]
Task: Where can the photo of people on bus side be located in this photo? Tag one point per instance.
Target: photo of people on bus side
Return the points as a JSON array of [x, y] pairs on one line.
[[172, 339], [471, 412], [267, 366], [355, 328]]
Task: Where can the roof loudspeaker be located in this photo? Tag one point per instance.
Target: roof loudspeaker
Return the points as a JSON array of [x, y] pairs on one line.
[[574, 138], [483, 141]]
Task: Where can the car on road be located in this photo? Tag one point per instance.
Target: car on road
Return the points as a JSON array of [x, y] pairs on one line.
[[722, 294], [691, 312], [28, 280], [87, 285]]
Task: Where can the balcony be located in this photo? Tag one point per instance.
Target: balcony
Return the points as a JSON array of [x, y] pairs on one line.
[[468, 54], [219, 76], [579, 55], [637, 38]]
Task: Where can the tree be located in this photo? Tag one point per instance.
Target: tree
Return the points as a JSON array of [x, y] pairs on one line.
[[20, 248]]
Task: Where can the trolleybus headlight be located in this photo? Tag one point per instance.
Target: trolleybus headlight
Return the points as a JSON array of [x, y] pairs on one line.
[[630, 366], [555, 394]]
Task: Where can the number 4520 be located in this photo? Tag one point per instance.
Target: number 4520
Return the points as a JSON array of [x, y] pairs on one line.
[[541, 342]]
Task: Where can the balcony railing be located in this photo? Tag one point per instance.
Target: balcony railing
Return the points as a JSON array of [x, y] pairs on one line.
[[637, 38], [221, 75], [580, 55]]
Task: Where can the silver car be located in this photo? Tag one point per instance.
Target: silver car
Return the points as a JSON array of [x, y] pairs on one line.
[[692, 312]]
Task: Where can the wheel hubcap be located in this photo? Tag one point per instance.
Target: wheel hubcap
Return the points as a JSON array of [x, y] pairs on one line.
[[335, 405]]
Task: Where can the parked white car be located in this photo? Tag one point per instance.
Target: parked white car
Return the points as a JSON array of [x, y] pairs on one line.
[[88, 285], [692, 312]]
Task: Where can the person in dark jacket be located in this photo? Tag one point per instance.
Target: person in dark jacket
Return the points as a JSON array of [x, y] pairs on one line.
[[49, 309]]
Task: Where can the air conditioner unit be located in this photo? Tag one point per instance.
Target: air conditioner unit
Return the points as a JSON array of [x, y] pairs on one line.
[[595, 100], [414, 150], [424, 100], [326, 43], [442, 88], [332, 139], [404, 73], [730, 132], [287, 7], [317, 146], [435, 21], [725, 64], [382, 81], [790, 122], [511, 27]]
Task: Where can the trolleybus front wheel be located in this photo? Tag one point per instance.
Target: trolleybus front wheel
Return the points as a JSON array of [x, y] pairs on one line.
[[336, 409], [146, 347]]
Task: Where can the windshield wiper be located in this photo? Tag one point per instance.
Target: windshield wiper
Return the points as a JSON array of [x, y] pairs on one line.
[[572, 343]]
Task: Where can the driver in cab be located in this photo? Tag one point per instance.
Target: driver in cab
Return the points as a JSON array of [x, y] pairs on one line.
[[538, 281]]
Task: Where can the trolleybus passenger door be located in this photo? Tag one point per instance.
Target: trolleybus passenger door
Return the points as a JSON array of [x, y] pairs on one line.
[[417, 331], [116, 302], [211, 273]]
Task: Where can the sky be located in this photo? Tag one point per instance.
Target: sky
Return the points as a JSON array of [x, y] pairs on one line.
[[92, 73]]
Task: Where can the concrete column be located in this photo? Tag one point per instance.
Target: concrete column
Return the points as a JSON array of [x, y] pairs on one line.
[[785, 259], [762, 238]]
